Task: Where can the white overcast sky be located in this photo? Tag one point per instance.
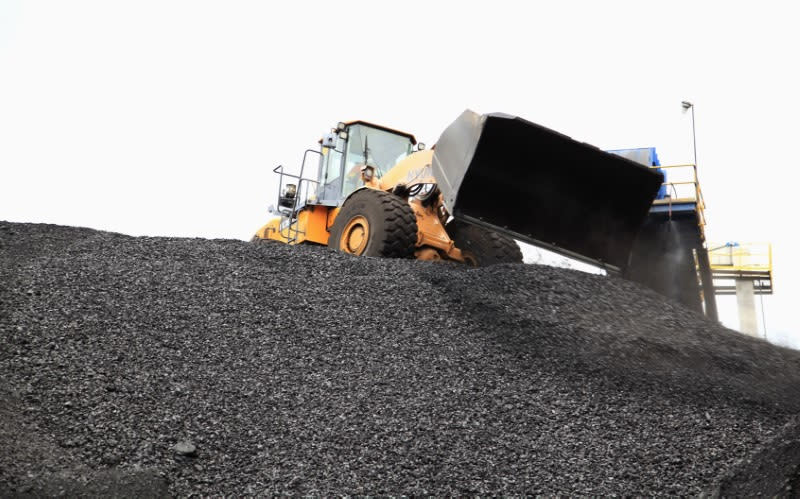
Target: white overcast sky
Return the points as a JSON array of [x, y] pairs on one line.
[[167, 117]]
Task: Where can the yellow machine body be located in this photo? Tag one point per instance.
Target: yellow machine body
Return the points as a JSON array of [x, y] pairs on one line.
[[312, 226], [313, 222]]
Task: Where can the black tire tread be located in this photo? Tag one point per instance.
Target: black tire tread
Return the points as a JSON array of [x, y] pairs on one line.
[[488, 247], [399, 235]]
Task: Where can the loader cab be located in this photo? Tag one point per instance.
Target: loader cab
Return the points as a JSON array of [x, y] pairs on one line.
[[350, 146]]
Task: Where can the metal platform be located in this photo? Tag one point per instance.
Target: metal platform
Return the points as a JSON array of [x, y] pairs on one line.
[[734, 261]]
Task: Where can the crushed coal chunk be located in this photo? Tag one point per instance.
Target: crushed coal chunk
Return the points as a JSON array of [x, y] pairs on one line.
[[304, 371]]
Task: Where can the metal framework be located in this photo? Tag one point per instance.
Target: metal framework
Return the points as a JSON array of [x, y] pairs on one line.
[[736, 261], [683, 193]]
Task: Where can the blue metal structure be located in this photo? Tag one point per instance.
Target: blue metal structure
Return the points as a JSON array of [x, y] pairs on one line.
[[645, 156]]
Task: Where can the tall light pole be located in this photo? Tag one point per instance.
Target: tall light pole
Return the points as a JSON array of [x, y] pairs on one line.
[[686, 106]]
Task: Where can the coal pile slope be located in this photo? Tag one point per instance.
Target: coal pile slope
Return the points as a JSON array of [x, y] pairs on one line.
[[302, 370], [772, 470]]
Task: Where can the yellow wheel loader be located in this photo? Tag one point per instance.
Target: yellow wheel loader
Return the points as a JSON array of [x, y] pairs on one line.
[[490, 179]]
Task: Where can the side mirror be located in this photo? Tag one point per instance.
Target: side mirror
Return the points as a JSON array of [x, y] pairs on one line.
[[367, 172], [420, 146], [329, 140]]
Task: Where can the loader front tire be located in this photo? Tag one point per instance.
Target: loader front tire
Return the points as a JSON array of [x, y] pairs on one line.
[[375, 223], [481, 247]]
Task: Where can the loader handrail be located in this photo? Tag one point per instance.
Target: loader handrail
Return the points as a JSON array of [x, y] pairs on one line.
[[292, 231]]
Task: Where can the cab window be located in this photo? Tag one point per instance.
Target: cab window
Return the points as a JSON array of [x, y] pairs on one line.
[[372, 146]]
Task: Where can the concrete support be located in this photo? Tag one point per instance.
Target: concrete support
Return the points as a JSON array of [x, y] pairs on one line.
[[746, 302]]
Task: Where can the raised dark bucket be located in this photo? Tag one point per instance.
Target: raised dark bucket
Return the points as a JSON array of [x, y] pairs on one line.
[[537, 185]]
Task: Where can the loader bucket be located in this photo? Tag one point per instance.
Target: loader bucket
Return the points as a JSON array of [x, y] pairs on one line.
[[539, 186]]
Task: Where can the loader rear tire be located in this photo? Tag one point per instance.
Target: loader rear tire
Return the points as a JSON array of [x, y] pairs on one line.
[[481, 247], [375, 223]]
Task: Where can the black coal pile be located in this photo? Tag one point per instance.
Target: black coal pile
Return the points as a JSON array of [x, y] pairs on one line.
[[143, 365]]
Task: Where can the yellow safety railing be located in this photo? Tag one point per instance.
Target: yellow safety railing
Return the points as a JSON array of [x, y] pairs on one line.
[[683, 187], [741, 257]]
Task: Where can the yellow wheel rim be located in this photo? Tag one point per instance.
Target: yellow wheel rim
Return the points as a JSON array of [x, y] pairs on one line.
[[355, 236]]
